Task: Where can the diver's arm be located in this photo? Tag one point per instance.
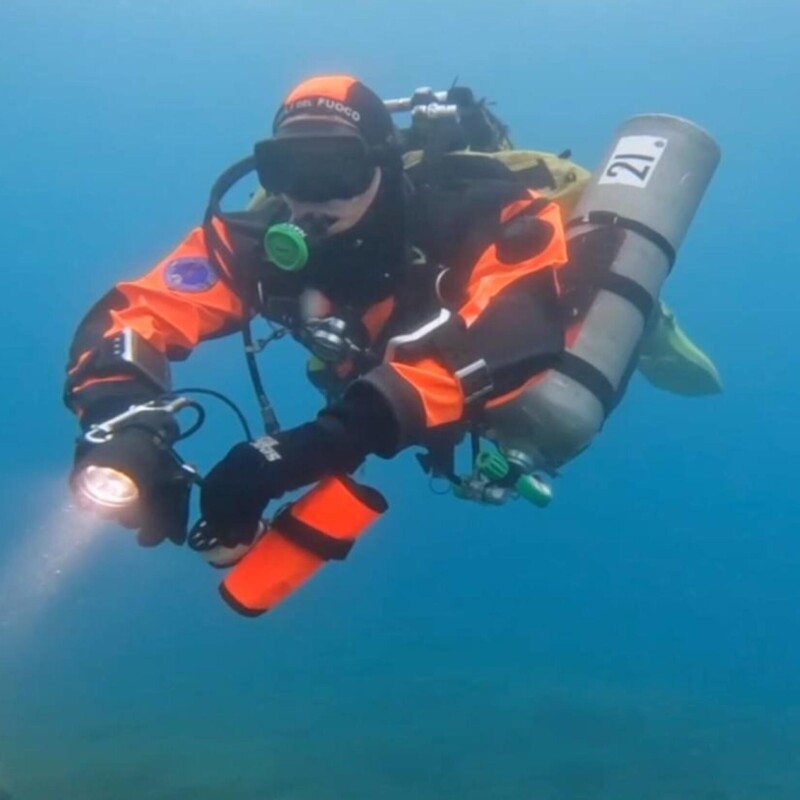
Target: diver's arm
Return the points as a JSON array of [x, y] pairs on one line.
[[509, 320], [507, 330], [179, 303]]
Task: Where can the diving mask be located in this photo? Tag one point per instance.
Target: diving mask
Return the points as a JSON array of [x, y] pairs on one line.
[[315, 168], [287, 243]]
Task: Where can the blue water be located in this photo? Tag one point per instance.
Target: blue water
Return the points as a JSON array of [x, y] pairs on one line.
[[636, 641]]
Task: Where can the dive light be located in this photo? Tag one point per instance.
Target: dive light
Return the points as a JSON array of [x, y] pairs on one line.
[[105, 431], [105, 490], [113, 490]]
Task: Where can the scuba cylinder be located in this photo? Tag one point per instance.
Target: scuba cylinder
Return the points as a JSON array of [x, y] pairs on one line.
[[622, 240], [321, 526]]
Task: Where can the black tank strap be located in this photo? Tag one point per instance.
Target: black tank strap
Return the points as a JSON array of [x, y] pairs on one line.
[[328, 548], [629, 290], [645, 231], [588, 376]]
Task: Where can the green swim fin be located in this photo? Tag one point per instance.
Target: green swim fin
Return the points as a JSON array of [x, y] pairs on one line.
[[671, 361]]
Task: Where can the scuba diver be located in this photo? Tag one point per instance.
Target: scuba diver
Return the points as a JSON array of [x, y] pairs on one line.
[[434, 292]]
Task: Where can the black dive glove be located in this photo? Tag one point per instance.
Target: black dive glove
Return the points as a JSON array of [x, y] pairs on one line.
[[235, 493], [141, 451]]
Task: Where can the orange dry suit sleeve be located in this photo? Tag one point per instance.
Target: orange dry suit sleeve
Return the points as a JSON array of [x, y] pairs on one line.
[[179, 303], [505, 328]]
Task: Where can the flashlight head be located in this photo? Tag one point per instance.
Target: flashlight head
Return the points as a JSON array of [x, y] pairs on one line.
[[106, 491]]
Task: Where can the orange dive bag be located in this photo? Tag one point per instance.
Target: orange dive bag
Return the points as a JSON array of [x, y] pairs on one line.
[[321, 526]]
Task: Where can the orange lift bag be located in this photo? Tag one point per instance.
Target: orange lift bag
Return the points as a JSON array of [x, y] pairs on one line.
[[321, 526]]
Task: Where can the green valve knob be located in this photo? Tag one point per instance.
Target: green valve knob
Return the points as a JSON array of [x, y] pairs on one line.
[[492, 465], [534, 490], [315, 364], [286, 247]]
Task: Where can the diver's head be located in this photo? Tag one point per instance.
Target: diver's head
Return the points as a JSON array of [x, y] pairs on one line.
[[333, 145], [334, 158]]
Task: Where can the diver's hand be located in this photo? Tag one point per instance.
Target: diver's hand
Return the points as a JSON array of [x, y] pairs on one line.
[[162, 511], [236, 491]]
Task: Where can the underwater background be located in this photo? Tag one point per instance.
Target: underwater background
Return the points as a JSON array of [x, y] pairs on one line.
[[638, 640]]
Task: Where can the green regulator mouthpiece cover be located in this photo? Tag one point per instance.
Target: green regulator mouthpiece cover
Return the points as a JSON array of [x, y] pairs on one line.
[[286, 247]]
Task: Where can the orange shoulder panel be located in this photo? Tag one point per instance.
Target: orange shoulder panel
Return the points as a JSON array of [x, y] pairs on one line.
[[438, 389], [490, 276]]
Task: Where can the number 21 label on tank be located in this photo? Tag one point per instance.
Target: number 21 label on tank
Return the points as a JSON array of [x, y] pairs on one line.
[[634, 160]]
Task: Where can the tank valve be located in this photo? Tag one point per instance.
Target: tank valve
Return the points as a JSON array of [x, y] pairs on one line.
[[513, 471], [497, 478]]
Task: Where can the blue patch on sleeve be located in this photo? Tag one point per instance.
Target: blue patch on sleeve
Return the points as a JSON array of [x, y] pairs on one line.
[[190, 274]]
